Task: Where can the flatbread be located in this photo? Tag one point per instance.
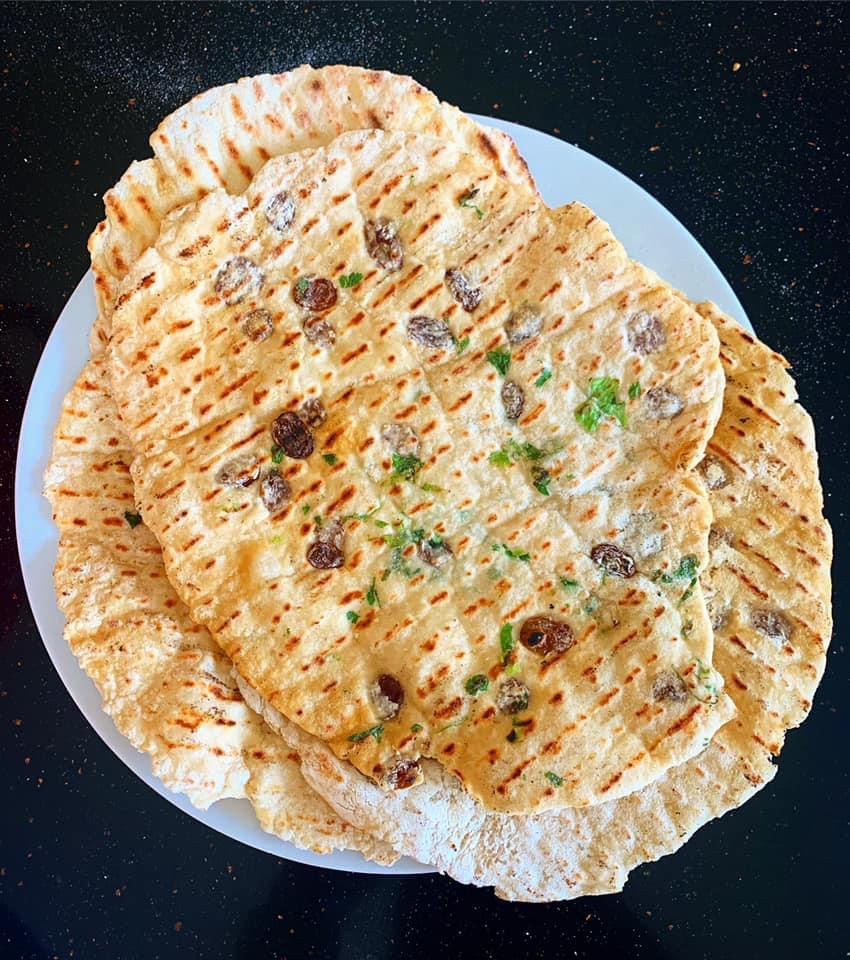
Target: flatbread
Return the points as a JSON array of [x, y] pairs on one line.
[[164, 682], [194, 391], [771, 549], [222, 137]]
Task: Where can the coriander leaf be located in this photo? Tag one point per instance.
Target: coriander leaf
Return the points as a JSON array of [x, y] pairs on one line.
[[512, 669], [634, 390], [431, 488], [544, 376], [352, 617], [687, 568], [372, 597], [569, 584], [277, 454], [500, 359], [466, 201], [377, 732], [500, 458], [351, 280], [506, 641], [592, 604], [306, 509], [513, 554], [602, 402], [689, 592], [329, 458], [133, 519], [554, 779], [302, 284], [461, 345], [541, 480], [405, 467], [477, 684], [416, 727]]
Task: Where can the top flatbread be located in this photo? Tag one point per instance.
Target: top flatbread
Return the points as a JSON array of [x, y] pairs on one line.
[[165, 683], [769, 587], [222, 137], [195, 391]]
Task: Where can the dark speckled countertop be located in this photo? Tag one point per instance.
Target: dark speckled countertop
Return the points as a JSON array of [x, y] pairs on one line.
[[736, 118]]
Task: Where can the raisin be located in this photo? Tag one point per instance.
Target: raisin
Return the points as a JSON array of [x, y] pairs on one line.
[[613, 560], [280, 211], [668, 685], [401, 439], [434, 552], [274, 490], [314, 293], [383, 243], [513, 399], [512, 696], [645, 333], [663, 403], [241, 471], [545, 635], [312, 412], [524, 323], [714, 473], [292, 436], [238, 278], [324, 556], [773, 624], [460, 287], [321, 331], [387, 696], [430, 332], [258, 325], [402, 773]]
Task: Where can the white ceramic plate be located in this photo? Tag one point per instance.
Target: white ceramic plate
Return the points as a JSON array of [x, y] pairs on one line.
[[563, 173]]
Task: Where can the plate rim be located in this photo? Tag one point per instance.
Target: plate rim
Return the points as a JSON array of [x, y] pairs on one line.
[[219, 814]]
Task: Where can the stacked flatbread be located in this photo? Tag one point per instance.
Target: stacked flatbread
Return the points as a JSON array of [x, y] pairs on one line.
[[516, 556]]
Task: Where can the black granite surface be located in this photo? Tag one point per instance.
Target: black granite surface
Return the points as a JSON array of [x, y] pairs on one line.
[[733, 116]]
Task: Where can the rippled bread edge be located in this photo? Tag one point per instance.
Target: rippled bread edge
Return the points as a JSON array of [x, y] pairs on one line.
[[164, 682], [771, 552]]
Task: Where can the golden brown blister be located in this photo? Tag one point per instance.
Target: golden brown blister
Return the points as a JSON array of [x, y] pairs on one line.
[[165, 683], [771, 549], [196, 391]]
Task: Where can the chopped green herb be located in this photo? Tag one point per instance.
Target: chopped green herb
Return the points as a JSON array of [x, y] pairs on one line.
[[431, 488], [133, 519], [506, 641], [302, 284], [416, 727], [453, 723], [477, 684], [461, 345], [500, 359], [405, 467], [306, 509], [689, 592], [602, 402], [513, 452], [377, 732], [372, 597], [277, 540], [364, 517], [318, 521], [569, 584], [277, 454], [634, 390], [541, 479], [329, 458], [513, 554], [554, 779], [466, 201], [352, 617], [230, 507], [592, 604], [351, 280], [544, 376], [512, 669], [686, 570]]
